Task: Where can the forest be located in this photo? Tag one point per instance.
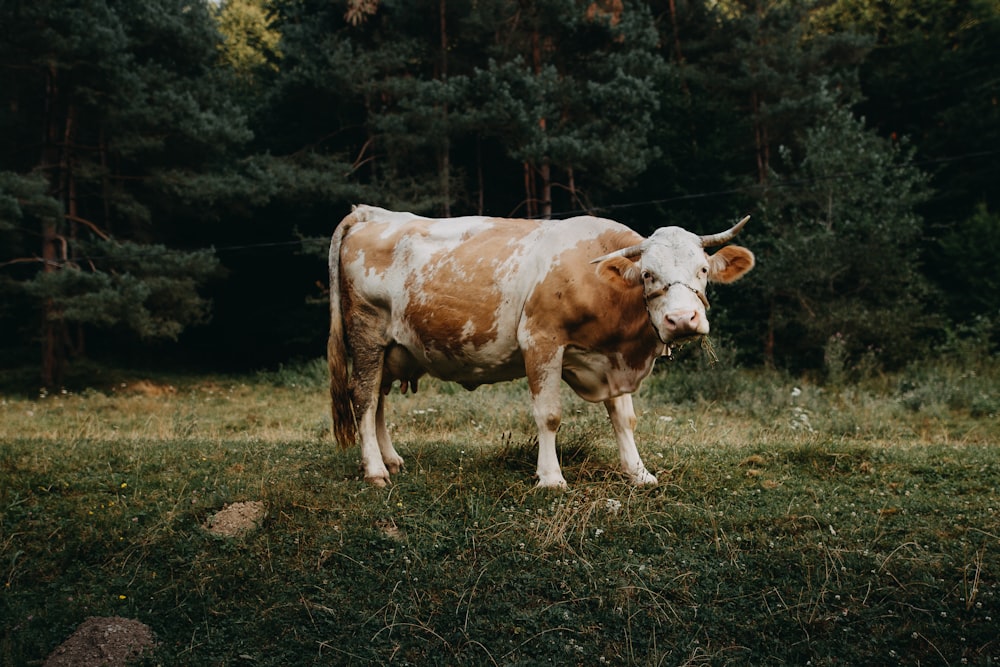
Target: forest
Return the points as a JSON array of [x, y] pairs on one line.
[[171, 170]]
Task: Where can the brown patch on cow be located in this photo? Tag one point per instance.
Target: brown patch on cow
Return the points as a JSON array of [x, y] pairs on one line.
[[596, 308], [460, 295], [614, 239], [457, 305], [378, 241]]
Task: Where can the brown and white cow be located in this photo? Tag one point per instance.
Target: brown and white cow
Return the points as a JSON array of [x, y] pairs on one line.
[[477, 300]]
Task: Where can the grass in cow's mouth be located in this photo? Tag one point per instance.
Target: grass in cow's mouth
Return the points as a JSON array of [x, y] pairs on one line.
[[793, 523], [705, 343], [709, 350]]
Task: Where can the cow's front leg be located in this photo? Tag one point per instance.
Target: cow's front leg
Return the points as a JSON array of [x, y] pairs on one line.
[[544, 379], [622, 416]]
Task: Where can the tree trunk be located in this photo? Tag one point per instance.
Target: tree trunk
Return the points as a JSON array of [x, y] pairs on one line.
[[544, 171], [677, 38], [105, 182], [53, 333], [480, 181], [529, 191], [444, 158], [53, 160], [769, 341], [571, 184], [760, 140]]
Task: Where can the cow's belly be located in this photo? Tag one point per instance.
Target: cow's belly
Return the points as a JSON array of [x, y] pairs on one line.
[[408, 360], [598, 376]]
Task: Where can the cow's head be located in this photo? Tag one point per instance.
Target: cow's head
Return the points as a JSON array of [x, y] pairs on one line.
[[674, 270]]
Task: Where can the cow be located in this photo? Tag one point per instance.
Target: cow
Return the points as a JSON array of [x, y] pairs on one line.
[[478, 300]]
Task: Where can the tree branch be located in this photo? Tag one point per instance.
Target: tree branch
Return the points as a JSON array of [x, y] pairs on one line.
[[93, 226]]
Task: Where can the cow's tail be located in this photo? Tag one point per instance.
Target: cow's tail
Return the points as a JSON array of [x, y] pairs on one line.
[[344, 425]]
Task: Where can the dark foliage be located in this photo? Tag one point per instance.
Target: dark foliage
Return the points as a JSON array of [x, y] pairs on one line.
[[212, 149]]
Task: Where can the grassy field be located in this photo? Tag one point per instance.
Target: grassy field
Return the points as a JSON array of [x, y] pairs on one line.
[[794, 524]]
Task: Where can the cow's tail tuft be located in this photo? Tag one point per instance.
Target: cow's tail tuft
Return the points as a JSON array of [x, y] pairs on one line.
[[344, 425]]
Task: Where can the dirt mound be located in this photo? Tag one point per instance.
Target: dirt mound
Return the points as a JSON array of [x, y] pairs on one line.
[[236, 519], [110, 641]]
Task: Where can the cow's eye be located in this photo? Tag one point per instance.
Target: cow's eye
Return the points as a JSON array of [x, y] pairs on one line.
[[646, 275], [704, 270]]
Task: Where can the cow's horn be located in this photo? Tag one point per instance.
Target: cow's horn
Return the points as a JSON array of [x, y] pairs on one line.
[[631, 251], [724, 237]]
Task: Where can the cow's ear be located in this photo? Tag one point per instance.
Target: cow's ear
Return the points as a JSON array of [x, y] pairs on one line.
[[731, 263], [621, 270]]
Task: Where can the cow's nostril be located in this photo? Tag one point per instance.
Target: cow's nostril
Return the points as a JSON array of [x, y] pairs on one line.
[[682, 321]]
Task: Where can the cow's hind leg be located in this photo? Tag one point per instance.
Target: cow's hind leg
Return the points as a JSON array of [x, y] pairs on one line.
[[376, 471], [390, 457], [367, 398], [399, 365], [622, 416]]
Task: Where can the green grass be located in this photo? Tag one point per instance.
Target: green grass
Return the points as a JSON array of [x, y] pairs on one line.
[[793, 524]]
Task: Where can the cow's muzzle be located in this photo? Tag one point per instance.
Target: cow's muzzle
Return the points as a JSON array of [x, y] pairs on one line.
[[681, 324]]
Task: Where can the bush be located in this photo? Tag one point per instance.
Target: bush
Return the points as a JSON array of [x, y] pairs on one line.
[[965, 376], [311, 373]]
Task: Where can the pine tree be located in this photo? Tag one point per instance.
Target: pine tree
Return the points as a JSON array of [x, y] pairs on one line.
[[570, 91], [109, 105], [840, 249]]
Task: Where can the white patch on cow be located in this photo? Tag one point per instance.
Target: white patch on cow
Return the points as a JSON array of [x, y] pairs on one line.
[[622, 416], [468, 330]]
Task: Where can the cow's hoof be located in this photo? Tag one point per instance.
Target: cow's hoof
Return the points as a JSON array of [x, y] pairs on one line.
[[394, 465], [555, 483], [644, 478], [378, 481]]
